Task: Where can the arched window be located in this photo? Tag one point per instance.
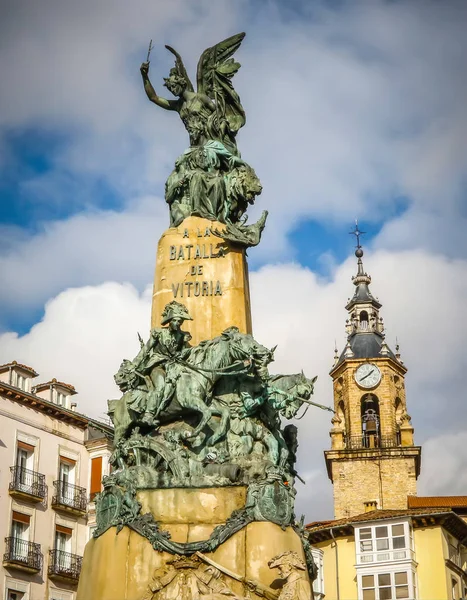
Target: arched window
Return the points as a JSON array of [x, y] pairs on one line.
[[364, 320], [369, 409]]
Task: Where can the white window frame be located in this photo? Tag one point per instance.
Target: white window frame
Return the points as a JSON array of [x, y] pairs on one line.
[[318, 583], [393, 560], [15, 585], [22, 381], [31, 441], [389, 555], [55, 594], [61, 398], [391, 570], [24, 529], [24, 460], [63, 543]]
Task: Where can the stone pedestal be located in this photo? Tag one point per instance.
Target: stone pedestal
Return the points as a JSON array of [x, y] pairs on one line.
[[205, 273], [121, 566]]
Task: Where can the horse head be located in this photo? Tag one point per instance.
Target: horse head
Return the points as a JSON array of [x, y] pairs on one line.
[[125, 376], [296, 388]]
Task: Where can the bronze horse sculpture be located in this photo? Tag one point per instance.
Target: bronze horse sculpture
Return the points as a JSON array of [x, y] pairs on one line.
[[228, 355]]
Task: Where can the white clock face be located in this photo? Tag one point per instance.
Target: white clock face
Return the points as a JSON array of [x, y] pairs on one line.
[[367, 375]]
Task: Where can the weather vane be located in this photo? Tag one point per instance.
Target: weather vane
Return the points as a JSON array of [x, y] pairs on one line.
[[357, 233]]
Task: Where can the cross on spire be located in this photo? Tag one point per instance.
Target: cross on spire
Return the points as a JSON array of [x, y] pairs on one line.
[[357, 233]]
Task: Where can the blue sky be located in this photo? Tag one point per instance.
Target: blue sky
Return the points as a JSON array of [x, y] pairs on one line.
[[354, 109]]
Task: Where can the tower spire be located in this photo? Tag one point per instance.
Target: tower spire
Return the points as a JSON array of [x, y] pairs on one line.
[[364, 325], [361, 280]]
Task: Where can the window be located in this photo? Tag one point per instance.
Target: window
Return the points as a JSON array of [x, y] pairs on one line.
[[318, 583], [383, 542], [363, 320], [24, 463], [15, 595], [96, 476], [63, 537], [66, 476], [20, 534], [385, 586], [61, 399], [369, 410], [67, 471], [15, 589], [22, 382], [60, 595], [455, 589]]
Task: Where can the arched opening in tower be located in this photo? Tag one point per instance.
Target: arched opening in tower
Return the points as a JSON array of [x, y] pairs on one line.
[[363, 320], [369, 407]]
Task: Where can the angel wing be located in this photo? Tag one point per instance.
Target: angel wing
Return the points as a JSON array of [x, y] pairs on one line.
[[216, 67], [180, 67]]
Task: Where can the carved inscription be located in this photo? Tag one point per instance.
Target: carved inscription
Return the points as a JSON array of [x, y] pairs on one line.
[[198, 252]]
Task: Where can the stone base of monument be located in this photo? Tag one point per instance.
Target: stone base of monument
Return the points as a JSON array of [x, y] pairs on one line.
[[207, 274], [125, 566]]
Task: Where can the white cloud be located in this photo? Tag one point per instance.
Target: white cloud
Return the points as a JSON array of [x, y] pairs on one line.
[[445, 455], [84, 335], [347, 109], [87, 331], [88, 248]]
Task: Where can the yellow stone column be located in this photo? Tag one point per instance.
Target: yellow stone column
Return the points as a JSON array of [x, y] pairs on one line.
[[205, 273], [121, 566]]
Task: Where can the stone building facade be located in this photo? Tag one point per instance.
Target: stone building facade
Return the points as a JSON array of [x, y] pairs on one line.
[[373, 462], [52, 461]]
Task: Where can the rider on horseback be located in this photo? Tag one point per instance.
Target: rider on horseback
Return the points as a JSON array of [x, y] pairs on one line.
[[164, 349]]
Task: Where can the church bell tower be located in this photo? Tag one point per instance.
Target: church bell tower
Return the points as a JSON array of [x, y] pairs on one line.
[[373, 463]]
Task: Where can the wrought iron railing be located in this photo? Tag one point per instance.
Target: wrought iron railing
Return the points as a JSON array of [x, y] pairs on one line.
[[69, 496], [23, 553], [366, 440], [64, 564], [28, 482]]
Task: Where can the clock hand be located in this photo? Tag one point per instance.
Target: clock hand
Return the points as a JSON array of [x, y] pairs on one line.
[[368, 374]]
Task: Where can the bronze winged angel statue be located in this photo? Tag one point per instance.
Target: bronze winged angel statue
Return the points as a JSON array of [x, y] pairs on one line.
[[210, 178]]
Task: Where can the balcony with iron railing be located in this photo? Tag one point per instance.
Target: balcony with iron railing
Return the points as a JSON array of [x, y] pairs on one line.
[[370, 440], [27, 484], [22, 555], [64, 565], [70, 498]]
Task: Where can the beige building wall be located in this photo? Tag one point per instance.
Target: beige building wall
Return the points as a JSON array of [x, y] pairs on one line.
[[52, 435]]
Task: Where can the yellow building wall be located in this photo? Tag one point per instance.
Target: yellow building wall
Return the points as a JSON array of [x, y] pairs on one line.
[[347, 577], [431, 569], [433, 575]]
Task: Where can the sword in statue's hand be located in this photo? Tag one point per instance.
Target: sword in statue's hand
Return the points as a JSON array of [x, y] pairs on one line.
[[149, 51]]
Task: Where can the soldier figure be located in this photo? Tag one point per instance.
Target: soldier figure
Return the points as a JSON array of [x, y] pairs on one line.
[[158, 360]]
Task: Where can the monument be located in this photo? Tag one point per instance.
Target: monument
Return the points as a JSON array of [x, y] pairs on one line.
[[200, 501]]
